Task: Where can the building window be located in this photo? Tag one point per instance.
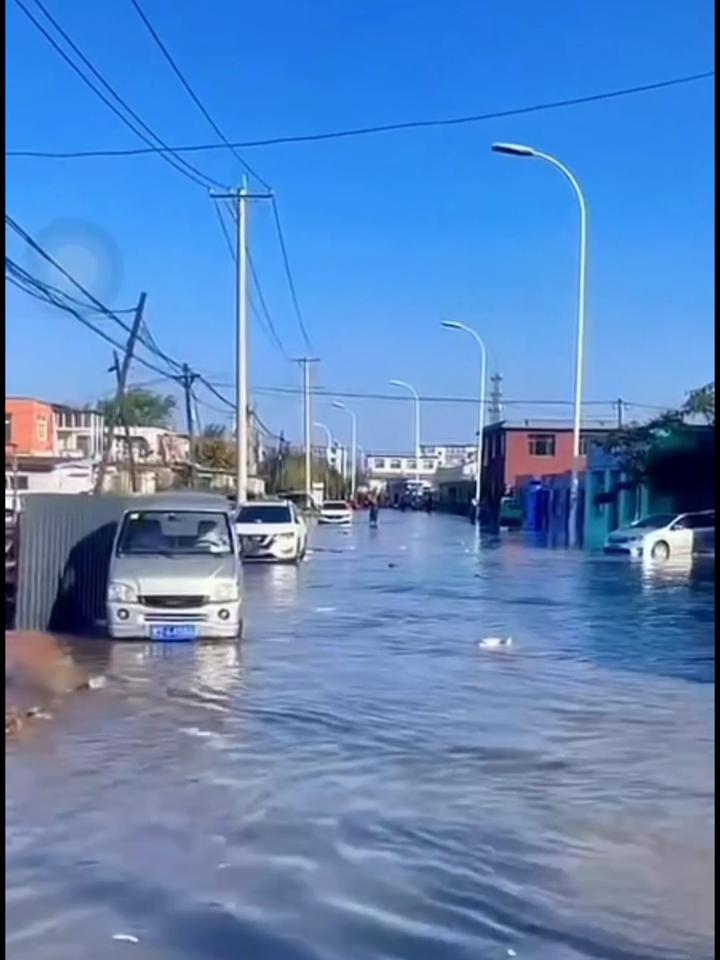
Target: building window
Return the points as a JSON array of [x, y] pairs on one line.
[[42, 429], [8, 428], [412, 464], [541, 444], [396, 464], [428, 464], [379, 463]]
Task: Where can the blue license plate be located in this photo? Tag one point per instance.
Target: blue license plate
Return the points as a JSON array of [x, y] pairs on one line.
[[174, 633]]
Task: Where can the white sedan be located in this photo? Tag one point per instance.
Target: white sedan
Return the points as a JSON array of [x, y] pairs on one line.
[[271, 530], [335, 511], [661, 536]]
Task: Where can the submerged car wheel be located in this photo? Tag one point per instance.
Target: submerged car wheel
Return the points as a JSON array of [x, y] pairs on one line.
[[660, 551]]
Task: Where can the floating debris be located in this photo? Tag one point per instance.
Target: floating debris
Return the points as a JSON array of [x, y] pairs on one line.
[[324, 609], [493, 643], [126, 938]]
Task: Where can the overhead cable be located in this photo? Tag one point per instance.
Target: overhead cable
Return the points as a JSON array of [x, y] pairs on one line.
[[193, 96], [379, 128], [167, 152]]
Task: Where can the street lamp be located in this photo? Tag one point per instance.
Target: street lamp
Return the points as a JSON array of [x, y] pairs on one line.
[[353, 446], [520, 150], [321, 426], [452, 325], [408, 386]]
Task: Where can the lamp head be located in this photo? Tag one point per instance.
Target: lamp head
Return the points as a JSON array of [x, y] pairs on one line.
[[514, 149]]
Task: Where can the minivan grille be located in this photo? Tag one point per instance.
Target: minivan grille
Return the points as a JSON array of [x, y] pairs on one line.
[[172, 602], [175, 617]]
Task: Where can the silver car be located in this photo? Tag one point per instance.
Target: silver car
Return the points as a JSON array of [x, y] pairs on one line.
[[175, 572]]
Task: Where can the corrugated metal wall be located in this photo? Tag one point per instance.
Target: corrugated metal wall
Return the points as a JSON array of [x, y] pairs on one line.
[[64, 552]]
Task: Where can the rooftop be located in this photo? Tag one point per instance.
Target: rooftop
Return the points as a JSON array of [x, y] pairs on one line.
[[588, 426]]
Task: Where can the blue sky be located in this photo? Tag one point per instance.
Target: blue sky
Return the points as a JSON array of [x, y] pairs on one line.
[[387, 234]]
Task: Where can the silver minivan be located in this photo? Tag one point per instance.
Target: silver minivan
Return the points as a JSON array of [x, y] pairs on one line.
[[175, 571]]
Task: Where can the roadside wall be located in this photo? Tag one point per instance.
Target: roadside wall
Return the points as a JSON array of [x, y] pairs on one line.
[[63, 558]]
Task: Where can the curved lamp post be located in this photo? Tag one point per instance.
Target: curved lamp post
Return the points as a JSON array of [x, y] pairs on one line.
[[353, 444], [521, 150], [452, 325], [408, 386]]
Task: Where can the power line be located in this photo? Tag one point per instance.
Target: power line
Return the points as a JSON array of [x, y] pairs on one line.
[[48, 298], [266, 321], [359, 395], [288, 273], [265, 312], [167, 152], [380, 128], [34, 245], [193, 96]]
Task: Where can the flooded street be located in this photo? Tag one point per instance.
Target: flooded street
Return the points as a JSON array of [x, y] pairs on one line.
[[359, 779]]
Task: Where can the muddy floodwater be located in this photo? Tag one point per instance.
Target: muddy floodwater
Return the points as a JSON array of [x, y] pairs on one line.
[[359, 779]]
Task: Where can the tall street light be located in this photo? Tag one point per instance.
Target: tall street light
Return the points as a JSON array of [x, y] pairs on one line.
[[520, 150], [353, 446], [408, 386], [452, 325], [321, 426]]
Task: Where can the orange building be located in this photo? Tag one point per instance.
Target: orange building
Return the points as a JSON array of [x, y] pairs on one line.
[[29, 427]]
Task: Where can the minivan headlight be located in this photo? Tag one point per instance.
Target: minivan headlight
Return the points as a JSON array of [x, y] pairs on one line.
[[226, 592], [122, 592]]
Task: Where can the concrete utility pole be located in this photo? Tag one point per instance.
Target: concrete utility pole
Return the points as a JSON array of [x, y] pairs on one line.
[[120, 393], [122, 416], [304, 363], [240, 200], [188, 379], [620, 413]]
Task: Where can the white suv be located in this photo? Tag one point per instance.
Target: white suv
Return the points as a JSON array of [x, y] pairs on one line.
[[271, 530], [662, 536]]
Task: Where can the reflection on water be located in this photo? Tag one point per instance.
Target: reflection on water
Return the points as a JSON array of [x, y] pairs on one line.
[[364, 782]]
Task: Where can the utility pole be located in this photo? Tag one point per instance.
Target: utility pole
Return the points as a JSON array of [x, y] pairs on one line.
[[122, 416], [240, 200], [188, 379], [620, 413], [495, 408], [120, 393], [304, 363]]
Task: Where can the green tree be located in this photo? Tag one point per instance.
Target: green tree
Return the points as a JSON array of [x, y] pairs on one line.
[[142, 408], [701, 403], [214, 431], [636, 445]]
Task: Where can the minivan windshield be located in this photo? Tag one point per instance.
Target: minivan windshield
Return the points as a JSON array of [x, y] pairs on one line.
[[275, 513], [174, 532]]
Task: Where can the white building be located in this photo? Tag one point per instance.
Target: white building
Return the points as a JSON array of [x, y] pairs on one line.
[[382, 468], [78, 433], [450, 454], [151, 445]]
